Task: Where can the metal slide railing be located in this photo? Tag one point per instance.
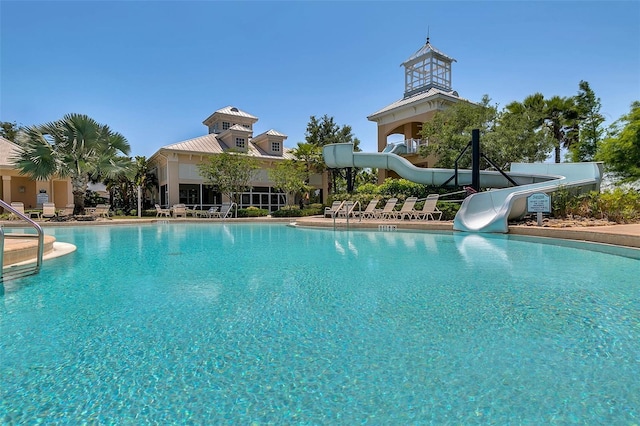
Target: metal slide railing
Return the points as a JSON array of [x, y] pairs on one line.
[[28, 268]]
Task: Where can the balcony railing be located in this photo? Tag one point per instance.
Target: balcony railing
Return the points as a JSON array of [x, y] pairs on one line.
[[407, 146]]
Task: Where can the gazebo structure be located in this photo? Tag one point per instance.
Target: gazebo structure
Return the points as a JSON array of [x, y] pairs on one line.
[[427, 82]]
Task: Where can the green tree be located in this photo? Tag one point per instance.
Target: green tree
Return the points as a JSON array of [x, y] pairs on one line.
[[621, 150], [520, 135], [231, 172], [145, 179], [325, 131], [311, 156], [591, 130], [291, 178], [122, 190], [9, 130], [561, 121], [76, 147], [449, 132]]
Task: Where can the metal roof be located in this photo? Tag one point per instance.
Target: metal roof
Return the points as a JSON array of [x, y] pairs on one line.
[[209, 144], [272, 132], [427, 48], [231, 110], [416, 98]]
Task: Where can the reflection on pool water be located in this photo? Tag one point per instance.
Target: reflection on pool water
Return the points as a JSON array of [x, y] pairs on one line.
[[241, 323]]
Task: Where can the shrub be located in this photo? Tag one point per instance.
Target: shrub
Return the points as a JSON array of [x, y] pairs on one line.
[[448, 210], [296, 212], [619, 205], [253, 212]]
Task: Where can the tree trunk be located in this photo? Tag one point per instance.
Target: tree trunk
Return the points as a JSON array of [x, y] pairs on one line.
[[557, 149], [79, 189]]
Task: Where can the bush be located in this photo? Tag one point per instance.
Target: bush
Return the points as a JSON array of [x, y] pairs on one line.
[[252, 212], [296, 212], [448, 210], [619, 205]]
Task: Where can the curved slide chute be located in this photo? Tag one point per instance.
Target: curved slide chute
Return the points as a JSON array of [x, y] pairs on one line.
[[487, 211]]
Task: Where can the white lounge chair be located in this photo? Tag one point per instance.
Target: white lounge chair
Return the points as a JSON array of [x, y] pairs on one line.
[[407, 209], [179, 210], [205, 213], [370, 211], [48, 210], [429, 209], [17, 206], [348, 209], [387, 211], [211, 211], [225, 211], [162, 212], [67, 211], [333, 209], [102, 210]]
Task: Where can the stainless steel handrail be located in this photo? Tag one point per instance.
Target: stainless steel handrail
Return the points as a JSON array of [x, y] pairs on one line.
[[33, 224]]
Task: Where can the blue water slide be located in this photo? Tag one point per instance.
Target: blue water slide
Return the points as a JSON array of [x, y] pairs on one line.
[[486, 211]]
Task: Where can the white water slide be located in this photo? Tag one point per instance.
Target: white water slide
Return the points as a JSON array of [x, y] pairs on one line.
[[486, 211]]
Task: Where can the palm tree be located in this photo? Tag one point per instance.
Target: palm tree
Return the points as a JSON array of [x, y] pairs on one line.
[[145, 179], [561, 119], [76, 147]]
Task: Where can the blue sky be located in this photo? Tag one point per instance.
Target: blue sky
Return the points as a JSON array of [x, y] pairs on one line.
[[154, 70]]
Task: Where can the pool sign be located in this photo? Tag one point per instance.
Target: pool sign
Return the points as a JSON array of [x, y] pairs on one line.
[[539, 203]]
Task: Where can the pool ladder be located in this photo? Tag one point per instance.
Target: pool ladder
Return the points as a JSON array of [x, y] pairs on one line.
[[24, 268]]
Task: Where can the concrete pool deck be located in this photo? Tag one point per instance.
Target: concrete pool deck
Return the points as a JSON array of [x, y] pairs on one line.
[[627, 235], [20, 250]]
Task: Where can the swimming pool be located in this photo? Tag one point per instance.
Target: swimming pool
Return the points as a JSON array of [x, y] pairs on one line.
[[241, 323]]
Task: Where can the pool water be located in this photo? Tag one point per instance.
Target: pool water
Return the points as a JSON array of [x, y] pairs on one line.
[[269, 324]]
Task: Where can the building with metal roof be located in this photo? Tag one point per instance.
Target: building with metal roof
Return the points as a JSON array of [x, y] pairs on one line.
[[230, 129]]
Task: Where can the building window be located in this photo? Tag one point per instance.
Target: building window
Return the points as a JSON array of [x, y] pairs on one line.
[[189, 193], [225, 125], [275, 146], [214, 129], [240, 143]]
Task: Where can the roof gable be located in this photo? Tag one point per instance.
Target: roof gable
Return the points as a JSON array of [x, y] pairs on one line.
[[8, 150]]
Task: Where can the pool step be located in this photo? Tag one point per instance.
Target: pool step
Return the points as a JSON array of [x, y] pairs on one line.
[[18, 271]]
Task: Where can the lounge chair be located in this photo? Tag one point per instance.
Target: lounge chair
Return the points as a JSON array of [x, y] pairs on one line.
[[429, 209], [204, 213], [387, 211], [162, 212], [19, 207], [48, 211], [194, 212], [179, 210], [370, 211], [211, 211], [333, 209], [407, 209], [348, 209], [225, 211], [102, 210], [67, 211]]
